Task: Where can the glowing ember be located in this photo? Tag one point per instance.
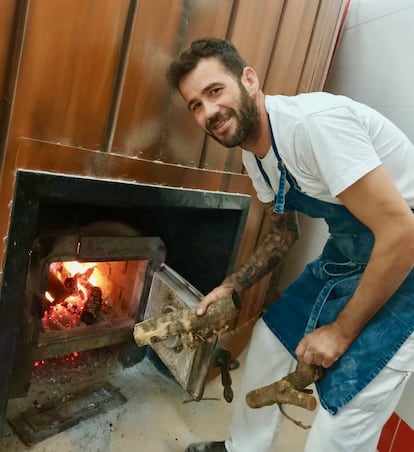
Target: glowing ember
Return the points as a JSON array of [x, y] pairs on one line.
[[70, 357]]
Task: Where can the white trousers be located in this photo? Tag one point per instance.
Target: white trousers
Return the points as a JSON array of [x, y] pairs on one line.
[[355, 428]]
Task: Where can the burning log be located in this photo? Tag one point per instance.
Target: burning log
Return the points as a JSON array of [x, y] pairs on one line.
[[57, 290], [71, 284], [290, 389], [92, 306], [186, 321]]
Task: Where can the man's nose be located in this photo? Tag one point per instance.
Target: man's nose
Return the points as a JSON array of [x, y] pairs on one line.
[[210, 109]]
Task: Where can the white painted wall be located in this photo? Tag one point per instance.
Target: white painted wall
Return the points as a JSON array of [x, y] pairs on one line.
[[375, 59], [374, 64]]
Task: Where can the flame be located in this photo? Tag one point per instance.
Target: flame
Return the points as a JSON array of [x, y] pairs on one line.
[[77, 278], [75, 267]]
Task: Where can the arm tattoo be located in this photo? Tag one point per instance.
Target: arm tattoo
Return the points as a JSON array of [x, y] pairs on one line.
[[283, 233]]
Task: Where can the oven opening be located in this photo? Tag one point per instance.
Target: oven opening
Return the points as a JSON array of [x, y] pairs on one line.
[[83, 298]]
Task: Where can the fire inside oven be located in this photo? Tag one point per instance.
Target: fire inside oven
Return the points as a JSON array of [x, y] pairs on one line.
[[84, 296], [89, 289]]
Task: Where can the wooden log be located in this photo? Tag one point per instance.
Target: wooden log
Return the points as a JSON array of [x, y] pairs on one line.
[[57, 289], [290, 389], [92, 306], [186, 321]]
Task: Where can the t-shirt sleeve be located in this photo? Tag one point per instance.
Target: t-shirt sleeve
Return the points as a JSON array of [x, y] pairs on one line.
[[336, 147], [264, 192]]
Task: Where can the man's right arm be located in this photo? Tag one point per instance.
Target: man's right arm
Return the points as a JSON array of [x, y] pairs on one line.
[[283, 233]]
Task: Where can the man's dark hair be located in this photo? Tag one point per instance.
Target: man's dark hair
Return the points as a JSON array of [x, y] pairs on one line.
[[200, 49]]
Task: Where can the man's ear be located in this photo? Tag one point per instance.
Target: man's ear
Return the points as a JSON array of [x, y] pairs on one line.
[[250, 80]]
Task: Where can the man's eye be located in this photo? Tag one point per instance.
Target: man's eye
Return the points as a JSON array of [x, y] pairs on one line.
[[195, 107], [215, 91]]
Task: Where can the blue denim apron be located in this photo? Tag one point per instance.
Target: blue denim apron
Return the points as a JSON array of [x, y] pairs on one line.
[[317, 296]]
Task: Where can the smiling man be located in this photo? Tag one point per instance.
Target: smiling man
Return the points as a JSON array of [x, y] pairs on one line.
[[352, 309], [233, 119]]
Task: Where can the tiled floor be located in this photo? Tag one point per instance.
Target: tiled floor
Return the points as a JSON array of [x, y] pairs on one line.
[[155, 418]]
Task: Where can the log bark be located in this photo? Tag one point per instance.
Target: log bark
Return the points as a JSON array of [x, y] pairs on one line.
[[186, 321], [290, 389]]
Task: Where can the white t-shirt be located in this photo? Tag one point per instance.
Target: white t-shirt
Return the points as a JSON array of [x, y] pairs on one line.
[[327, 143]]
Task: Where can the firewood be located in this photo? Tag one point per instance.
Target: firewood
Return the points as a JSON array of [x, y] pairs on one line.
[[187, 321], [290, 389], [57, 289], [92, 306]]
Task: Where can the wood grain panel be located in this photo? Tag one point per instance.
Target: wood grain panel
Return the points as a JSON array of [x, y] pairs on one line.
[[65, 84], [12, 13], [44, 156], [291, 46], [7, 17], [184, 140], [7, 8], [254, 29], [143, 103], [320, 53]]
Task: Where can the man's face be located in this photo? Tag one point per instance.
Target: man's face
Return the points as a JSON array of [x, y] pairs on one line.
[[221, 104]]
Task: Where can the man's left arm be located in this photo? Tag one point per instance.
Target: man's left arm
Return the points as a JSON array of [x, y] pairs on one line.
[[377, 203]]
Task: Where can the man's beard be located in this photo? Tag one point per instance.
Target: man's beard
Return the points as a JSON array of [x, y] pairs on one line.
[[247, 120]]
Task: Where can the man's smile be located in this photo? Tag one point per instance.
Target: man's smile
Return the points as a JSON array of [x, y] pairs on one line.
[[219, 123]]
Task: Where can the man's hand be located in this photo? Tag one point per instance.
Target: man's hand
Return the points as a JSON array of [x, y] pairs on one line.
[[324, 346], [216, 294]]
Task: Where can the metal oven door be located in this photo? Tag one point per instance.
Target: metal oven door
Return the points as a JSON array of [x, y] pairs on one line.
[[171, 292]]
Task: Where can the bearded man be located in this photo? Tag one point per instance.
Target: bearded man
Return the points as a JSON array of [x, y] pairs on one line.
[[352, 309]]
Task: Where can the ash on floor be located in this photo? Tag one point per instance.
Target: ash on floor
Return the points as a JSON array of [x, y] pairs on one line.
[[155, 418]]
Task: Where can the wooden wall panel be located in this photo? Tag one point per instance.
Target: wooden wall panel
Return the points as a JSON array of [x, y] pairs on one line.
[[184, 140], [68, 68], [44, 156], [254, 28], [8, 10], [324, 39], [291, 46], [64, 84], [143, 103]]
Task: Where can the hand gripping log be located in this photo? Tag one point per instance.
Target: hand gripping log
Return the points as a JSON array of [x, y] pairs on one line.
[[290, 389], [186, 321]]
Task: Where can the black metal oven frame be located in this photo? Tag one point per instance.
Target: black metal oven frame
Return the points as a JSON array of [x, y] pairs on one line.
[[201, 230]]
